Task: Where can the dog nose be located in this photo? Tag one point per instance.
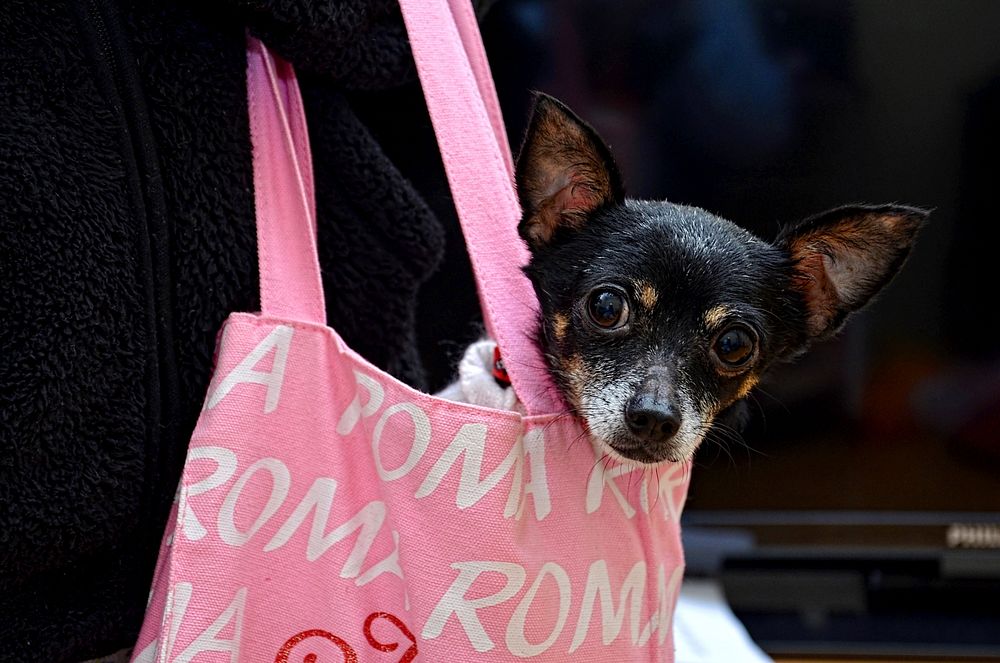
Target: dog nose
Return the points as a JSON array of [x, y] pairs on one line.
[[651, 419]]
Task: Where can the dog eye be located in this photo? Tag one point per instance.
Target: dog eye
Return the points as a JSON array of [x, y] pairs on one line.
[[607, 308], [735, 346]]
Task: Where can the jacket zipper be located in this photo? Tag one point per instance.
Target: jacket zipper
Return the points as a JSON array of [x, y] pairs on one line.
[[121, 85]]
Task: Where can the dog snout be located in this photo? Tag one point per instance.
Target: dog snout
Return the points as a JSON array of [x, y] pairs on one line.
[[652, 418]]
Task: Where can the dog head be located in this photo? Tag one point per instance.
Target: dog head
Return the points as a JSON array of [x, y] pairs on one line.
[[656, 318]]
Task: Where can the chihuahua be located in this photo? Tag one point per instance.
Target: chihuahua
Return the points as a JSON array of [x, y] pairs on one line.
[[658, 319]]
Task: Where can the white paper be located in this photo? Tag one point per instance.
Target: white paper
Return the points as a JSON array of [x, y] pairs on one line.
[[707, 631]]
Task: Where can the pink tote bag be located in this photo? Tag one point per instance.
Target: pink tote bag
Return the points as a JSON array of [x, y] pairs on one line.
[[328, 512]]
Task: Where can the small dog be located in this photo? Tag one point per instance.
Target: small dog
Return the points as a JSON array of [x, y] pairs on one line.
[[657, 319]]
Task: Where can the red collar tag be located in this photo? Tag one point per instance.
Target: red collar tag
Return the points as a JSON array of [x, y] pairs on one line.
[[499, 372]]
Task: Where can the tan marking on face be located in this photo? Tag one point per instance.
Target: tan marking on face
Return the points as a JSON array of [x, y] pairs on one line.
[[749, 382], [575, 371], [647, 294], [560, 323], [715, 316]]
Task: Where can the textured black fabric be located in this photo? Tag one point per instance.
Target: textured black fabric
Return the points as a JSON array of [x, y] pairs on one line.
[[127, 236], [73, 337], [360, 43]]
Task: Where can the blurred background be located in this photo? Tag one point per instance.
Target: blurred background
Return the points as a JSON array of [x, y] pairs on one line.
[[863, 513]]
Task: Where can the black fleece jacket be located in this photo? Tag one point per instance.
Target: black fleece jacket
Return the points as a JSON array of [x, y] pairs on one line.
[[127, 236]]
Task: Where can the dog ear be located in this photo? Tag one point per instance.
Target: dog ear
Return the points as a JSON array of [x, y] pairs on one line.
[[564, 172], [842, 258]]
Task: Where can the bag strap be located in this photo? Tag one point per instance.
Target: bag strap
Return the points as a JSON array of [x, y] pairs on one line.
[[290, 284], [472, 42], [469, 127], [462, 103]]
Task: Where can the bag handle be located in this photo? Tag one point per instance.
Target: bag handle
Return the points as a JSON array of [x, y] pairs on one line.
[[290, 284], [463, 106], [462, 102], [472, 42]]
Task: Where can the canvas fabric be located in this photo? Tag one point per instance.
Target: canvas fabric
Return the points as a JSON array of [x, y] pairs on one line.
[[329, 512]]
